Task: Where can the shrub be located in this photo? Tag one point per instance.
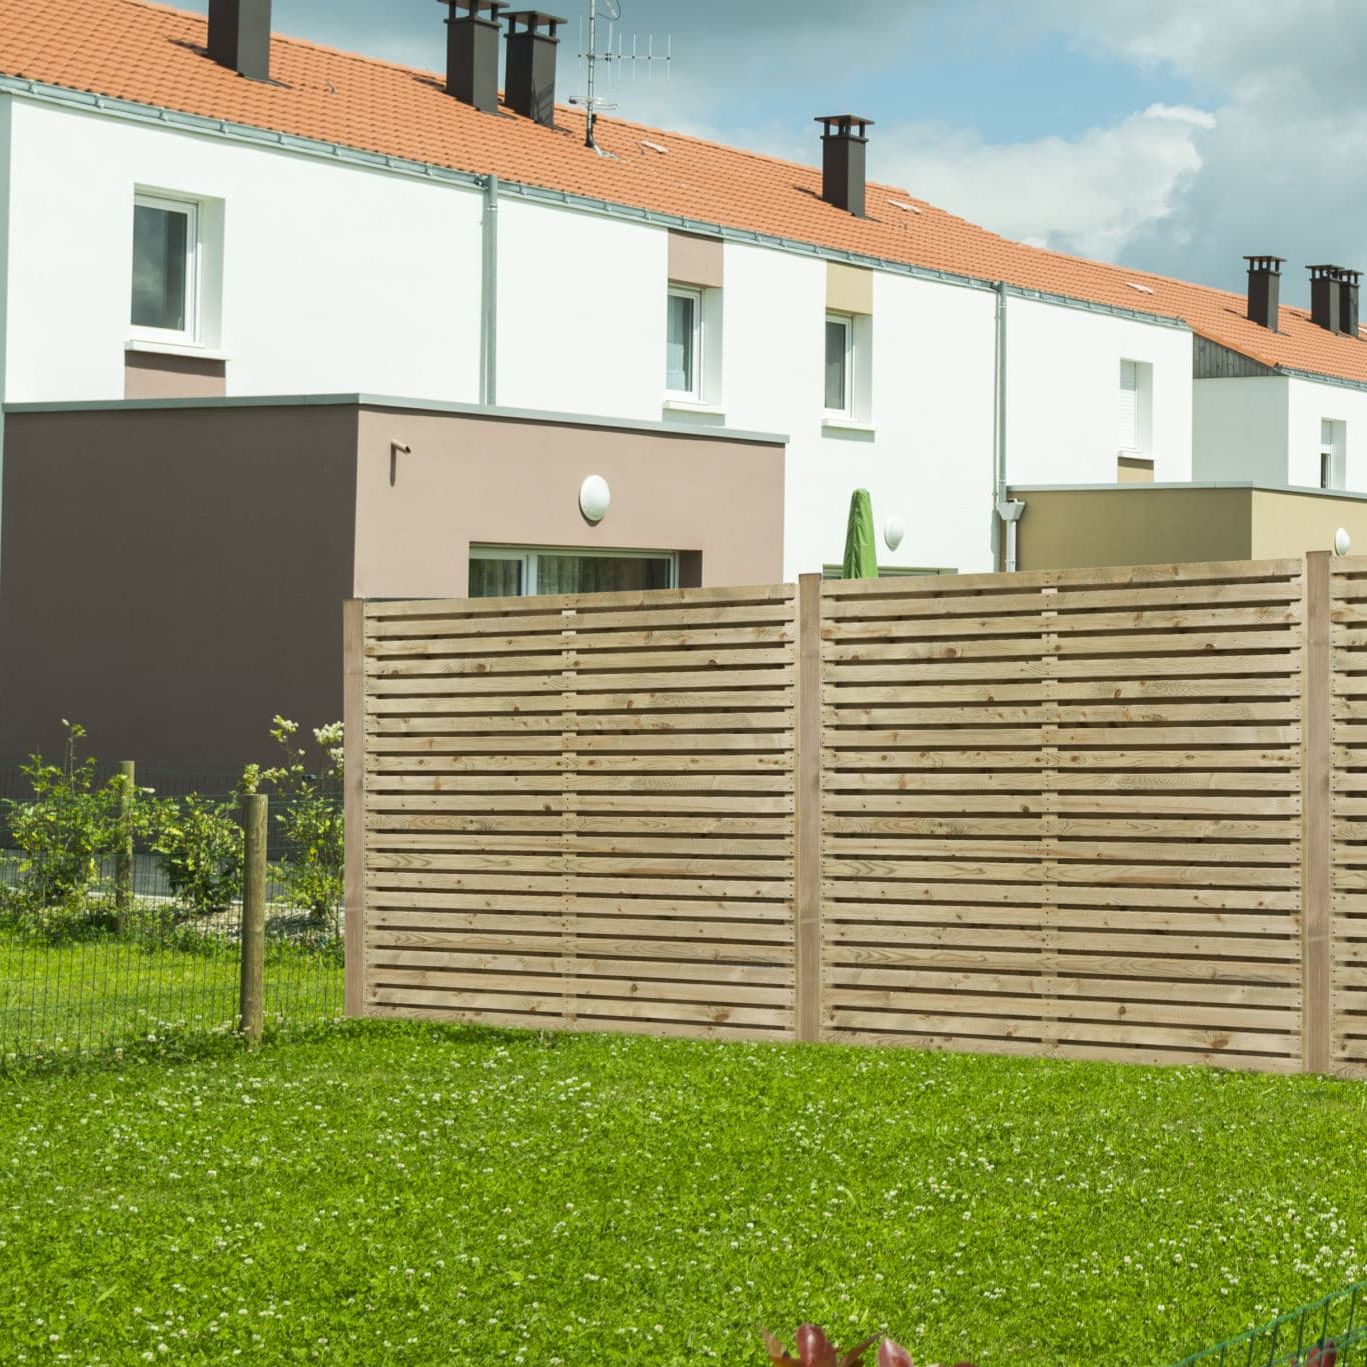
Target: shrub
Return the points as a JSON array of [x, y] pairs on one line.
[[309, 816], [199, 844], [64, 834]]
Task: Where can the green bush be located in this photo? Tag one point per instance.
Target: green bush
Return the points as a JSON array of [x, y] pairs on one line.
[[66, 833], [308, 801], [199, 844]]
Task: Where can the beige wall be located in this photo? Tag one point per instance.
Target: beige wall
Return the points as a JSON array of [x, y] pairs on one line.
[[505, 482], [1287, 524], [696, 260], [173, 578], [849, 289], [1132, 525]]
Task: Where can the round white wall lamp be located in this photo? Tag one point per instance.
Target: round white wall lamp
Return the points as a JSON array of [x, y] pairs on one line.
[[893, 532], [595, 498], [1343, 543]]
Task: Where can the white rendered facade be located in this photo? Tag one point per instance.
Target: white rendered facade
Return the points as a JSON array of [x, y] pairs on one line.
[[1280, 431], [318, 275]]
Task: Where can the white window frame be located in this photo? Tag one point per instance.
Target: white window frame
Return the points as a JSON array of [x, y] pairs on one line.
[[1143, 409], [528, 556], [846, 321], [1333, 454], [190, 334], [695, 394]]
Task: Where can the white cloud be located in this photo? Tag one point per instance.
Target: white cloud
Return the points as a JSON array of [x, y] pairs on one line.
[[1091, 194]]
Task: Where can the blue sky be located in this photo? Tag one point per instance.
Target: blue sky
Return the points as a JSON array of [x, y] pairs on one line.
[[1167, 136]]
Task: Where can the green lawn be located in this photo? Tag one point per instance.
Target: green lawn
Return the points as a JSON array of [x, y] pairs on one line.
[[390, 1194], [58, 1000]]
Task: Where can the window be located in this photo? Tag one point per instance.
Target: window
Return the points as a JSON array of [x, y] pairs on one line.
[[1135, 408], [165, 269], [839, 363], [683, 344], [1333, 450], [510, 572]]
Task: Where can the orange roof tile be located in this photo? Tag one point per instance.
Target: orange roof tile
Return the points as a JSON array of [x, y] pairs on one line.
[[146, 54]]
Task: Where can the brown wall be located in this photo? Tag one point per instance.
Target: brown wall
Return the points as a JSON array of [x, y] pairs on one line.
[[173, 578], [507, 482], [151, 375], [1132, 525]]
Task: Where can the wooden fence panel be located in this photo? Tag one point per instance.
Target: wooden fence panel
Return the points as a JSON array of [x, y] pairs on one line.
[[1084, 814], [581, 811], [1348, 922], [1063, 813]]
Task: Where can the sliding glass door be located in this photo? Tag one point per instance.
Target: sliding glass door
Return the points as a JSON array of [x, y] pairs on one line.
[[507, 572]]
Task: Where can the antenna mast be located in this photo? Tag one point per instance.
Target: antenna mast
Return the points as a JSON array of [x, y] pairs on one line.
[[592, 55]]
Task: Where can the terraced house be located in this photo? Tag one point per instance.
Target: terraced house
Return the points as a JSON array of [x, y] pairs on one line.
[[258, 292]]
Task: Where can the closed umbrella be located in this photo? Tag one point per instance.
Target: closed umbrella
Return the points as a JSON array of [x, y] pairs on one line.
[[861, 552]]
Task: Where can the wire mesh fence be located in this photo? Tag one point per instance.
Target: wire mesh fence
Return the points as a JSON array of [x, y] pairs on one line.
[[1331, 1332], [133, 955]]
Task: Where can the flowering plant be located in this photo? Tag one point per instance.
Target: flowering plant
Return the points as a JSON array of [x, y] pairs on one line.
[[814, 1349]]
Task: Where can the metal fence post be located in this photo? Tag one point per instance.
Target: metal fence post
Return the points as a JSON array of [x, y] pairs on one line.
[[123, 851], [250, 1010]]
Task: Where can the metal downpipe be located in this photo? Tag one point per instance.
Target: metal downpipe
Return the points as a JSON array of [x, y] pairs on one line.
[[488, 317]]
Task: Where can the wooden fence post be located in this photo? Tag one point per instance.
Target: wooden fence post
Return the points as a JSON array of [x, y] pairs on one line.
[[353, 778], [123, 851], [1317, 852], [251, 1004], [807, 783]]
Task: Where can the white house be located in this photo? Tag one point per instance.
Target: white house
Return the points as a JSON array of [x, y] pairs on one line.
[[174, 224]]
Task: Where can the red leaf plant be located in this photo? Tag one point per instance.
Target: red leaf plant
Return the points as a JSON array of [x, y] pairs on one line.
[[814, 1349]]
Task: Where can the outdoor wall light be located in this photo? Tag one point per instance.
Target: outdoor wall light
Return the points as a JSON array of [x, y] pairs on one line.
[[595, 498], [893, 532], [1343, 543]]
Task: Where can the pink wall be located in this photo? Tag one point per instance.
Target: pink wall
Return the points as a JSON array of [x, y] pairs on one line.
[[507, 482]]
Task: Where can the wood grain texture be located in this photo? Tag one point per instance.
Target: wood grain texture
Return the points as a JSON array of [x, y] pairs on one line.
[[581, 811], [1102, 814]]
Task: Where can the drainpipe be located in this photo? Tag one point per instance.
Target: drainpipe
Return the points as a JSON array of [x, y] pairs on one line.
[[488, 318], [1007, 510]]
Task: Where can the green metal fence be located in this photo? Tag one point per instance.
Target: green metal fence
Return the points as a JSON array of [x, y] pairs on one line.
[[1332, 1332], [133, 964]]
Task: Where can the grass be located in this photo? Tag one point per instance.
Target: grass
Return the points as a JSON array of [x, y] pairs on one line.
[[414, 1195], [58, 1000]]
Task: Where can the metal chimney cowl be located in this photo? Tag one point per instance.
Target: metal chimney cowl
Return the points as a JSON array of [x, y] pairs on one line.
[[844, 146], [240, 36], [529, 80], [472, 52], [1264, 290], [1326, 297]]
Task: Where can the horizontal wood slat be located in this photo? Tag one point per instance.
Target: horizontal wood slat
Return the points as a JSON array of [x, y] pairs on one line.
[[580, 811], [1060, 813]]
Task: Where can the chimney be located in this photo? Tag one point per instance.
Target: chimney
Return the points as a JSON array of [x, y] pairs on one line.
[[472, 52], [240, 36], [1348, 302], [529, 82], [1326, 296], [1264, 289], [843, 160]]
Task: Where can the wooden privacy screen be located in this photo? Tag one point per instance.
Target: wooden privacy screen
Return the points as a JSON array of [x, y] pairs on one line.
[[1092, 814], [1062, 813], [1349, 828], [579, 811]]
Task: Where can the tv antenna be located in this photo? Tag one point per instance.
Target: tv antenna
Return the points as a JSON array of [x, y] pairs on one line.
[[616, 56]]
